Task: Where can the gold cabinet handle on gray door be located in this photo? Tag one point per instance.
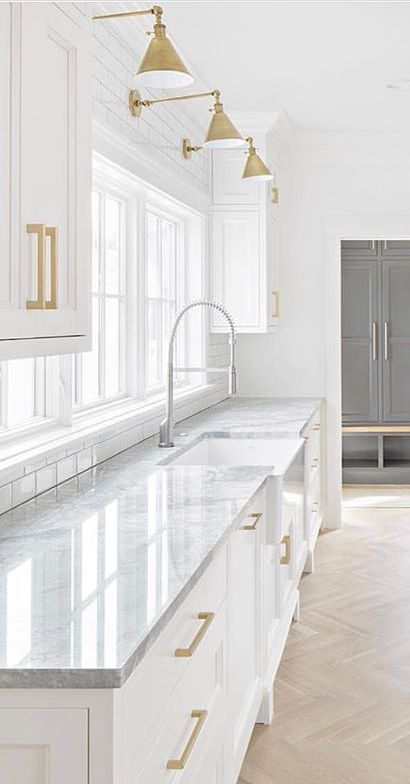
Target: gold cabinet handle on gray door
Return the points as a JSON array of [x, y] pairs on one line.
[[374, 340], [52, 232], [40, 230], [386, 340], [276, 299]]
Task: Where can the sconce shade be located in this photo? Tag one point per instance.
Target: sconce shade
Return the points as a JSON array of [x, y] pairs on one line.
[[255, 169], [161, 65], [222, 133]]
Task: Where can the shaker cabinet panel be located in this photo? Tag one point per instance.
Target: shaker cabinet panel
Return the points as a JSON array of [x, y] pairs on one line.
[[45, 251], [360, 339], [228, 187], [396, 340]]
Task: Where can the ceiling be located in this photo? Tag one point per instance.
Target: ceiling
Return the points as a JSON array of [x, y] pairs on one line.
[[326, 63]]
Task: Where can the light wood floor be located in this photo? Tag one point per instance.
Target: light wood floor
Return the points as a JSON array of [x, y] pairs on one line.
[[342, 695]]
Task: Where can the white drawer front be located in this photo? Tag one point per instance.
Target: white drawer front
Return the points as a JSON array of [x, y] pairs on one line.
[[191, 720], [162, 672]]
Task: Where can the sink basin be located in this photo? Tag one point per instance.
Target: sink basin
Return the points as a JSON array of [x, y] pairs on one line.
[[277, 452]]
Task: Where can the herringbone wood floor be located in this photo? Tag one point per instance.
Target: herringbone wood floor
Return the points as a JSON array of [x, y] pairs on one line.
[[342, 694]]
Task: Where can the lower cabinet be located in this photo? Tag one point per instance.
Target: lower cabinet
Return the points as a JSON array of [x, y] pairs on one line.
[[43, 746], [186, 714]]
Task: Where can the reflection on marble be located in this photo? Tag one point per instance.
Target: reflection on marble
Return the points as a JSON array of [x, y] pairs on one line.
[[91, 571]]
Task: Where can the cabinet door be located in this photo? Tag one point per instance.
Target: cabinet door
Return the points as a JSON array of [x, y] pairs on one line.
[[396, 340], [227, 184], [357, 248], [49, 186], [395, 248], [43, 746], [360, 338], [244, 626], [236, 278]]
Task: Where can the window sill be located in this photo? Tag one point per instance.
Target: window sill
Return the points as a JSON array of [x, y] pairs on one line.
[[51, 442]]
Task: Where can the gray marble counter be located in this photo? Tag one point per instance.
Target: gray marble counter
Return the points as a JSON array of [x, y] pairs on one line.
[[91, 571]]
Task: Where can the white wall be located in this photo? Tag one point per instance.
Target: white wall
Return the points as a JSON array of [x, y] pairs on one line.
[[331, 185]]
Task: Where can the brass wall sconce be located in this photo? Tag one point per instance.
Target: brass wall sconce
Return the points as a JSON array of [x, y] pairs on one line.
[[161, 65], [255, 168], [221, 133]]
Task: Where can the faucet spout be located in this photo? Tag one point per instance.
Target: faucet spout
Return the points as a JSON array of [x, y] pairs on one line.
[[167, 425]]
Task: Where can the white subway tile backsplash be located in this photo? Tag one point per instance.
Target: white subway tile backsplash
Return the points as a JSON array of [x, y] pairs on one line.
[[23, 489], [66, 468], [84, 460], [46, 478]]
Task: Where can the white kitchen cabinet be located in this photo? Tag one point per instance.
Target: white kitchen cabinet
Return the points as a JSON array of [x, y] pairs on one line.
[[244, 633], [43, 746], [313, 487], [245, 249], [45, 176]]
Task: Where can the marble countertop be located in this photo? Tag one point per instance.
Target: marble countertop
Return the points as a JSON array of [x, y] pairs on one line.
[[91, 571]]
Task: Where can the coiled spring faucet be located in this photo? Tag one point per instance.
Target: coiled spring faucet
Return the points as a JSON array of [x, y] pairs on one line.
[[166, 427]]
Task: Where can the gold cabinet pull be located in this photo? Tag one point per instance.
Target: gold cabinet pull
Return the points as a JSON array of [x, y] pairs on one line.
[[256, 516], [179, 764], [52, 232], [286, 558], [315, 462], [207, 618], [317, 426], [315, 506], [275, 195], [276, 300], [40, 230]]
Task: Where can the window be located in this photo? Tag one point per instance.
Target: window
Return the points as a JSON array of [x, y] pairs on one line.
[[165, 293], [146, 264], [99, 375]]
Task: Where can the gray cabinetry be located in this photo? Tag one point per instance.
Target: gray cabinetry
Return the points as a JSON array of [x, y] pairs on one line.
[[359, 340], [395, 317]]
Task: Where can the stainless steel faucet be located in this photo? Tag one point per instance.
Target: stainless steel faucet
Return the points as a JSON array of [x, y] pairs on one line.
[[166, 427]]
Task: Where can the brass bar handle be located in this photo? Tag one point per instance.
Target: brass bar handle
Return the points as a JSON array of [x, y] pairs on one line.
[[315, 506], [40, 230], [276, 299], [286, 558], [315, 462], [256, 516], [316, 426], [179, 764], [207, 618], [374, 340], [52, 232], [386, 341]]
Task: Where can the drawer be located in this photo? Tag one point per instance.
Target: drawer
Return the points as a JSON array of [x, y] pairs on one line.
[[176, 651], [192, 719]]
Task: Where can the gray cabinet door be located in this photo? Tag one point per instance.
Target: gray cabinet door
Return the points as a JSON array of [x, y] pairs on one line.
[[396, 339], [358, 248], [395, 248], [359, 340]]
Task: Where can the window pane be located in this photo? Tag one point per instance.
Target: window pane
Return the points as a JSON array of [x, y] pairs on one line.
[[112, 245], [21, 400], [153, 269], [90, 387], [154, 339], [95, 206], [168, 260], [112, 348]]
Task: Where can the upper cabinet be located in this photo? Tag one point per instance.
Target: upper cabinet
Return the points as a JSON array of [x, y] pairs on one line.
[[245, 245], [45, 181]]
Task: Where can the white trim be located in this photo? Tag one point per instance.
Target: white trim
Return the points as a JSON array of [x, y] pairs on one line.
[[338, 228]]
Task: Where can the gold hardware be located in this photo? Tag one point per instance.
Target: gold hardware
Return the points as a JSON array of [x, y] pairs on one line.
[[286, 558], [221, 131], [161, 65], [207, 617], [315, 462], [40, 230], [179, 764], [316, 426], [256, 517], [52, 232], [255, 169], [275, 195], [187, 150], [315, 506], [276, 310]]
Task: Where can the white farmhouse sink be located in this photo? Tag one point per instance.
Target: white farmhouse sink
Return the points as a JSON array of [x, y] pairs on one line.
[[276, 452]]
